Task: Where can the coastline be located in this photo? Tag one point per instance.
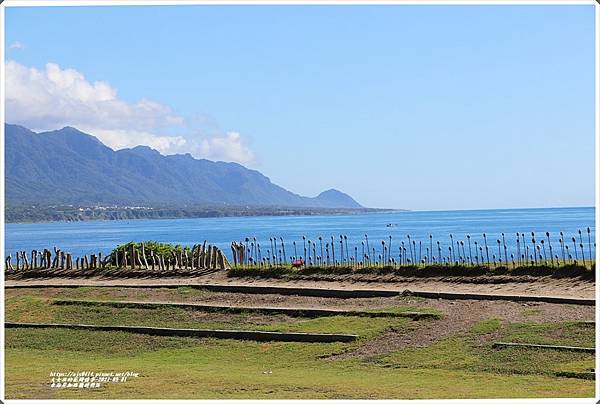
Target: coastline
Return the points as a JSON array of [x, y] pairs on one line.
[[185, 213]]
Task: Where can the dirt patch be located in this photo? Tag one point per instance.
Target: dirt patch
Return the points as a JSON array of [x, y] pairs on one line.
[[459, 317], [498, 284]]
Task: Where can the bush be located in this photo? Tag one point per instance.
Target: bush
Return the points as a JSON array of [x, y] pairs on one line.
[[164, 250]]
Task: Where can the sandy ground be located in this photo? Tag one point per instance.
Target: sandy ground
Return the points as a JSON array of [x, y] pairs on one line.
[[515, 285]]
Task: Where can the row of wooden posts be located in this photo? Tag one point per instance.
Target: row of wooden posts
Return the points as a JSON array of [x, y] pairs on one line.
[[201, 256], [45, 260]]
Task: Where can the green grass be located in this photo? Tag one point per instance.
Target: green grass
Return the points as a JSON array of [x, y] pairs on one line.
[[186, 291], [532, 312], [466, 352], [461, 366], [34, 309], [180, 294], [584, 270], [486, 326], [187, 368], [567, 333]]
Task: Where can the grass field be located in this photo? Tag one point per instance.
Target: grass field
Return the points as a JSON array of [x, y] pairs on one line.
[[462, 365]]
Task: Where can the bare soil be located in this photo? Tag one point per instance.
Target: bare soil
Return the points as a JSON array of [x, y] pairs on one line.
[[492, 284], [459, 317]]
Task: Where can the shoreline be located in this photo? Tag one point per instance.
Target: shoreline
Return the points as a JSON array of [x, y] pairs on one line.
[[290, 212], [283, 212]]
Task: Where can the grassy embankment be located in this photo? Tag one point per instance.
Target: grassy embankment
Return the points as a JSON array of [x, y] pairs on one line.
[[459, 366], [586, 271]]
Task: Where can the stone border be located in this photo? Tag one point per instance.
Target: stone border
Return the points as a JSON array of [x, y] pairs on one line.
[[555, 347], [336, 293], [200, 333], [290, 311]]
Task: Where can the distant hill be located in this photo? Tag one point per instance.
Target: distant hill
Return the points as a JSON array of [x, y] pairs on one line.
[[68, 166]]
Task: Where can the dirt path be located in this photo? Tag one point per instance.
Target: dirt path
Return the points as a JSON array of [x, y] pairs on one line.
[[525, 285]]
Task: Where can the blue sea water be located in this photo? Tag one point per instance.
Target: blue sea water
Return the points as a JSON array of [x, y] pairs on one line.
[[81, 238]]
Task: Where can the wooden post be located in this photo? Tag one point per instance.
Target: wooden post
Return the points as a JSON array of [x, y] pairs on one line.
[[138, 260], [26, 260], [220, 261], [205, 258], [56, 258], [204, 251], [55, 261], [132, 256], [144, 257], [200, 256], [209, 256], [242, 252], [194, 259], [233, 252], [9, 263]]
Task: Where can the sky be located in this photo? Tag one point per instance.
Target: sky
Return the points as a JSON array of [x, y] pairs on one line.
[[415, 107]]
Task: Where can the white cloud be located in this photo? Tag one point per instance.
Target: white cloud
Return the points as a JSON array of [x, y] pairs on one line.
[[228, 147], [17, 45], [121, 139], [54, 97]]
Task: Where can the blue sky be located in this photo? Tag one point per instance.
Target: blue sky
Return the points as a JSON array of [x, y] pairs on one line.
[[417, 107]]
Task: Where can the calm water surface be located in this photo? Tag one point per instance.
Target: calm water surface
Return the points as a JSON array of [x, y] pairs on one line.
[[102, 236]]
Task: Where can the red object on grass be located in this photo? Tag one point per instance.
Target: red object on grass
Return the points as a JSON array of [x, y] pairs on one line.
[[297, 263]]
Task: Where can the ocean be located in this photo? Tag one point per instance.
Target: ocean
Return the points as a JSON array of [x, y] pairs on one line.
[[92, 237]]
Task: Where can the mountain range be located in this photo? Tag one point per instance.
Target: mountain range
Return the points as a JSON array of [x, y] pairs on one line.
[[67, 166]]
